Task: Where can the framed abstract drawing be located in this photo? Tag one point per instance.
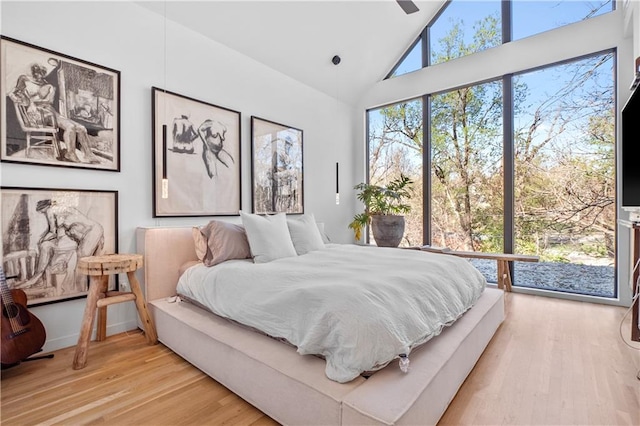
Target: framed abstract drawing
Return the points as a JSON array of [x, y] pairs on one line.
[[46, 231], [276, 167], [57, 110], [196, 157]]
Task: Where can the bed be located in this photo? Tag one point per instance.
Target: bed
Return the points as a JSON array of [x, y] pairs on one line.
[[293, 389]]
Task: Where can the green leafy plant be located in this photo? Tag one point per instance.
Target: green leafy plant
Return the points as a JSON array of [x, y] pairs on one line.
[[381, 200]]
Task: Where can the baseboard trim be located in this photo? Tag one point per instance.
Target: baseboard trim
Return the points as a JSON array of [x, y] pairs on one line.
[[71, 340]]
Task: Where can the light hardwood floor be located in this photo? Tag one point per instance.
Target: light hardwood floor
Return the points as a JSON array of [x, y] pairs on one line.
[[551, 362]]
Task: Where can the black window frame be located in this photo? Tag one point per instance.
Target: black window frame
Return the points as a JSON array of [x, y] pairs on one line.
[[425, 34], [508, 151]]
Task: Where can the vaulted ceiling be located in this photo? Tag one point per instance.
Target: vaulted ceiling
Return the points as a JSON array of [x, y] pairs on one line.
[[299, 38]]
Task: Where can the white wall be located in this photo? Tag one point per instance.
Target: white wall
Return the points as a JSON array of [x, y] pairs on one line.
[[631, 9], [582, 38], [129, 38]]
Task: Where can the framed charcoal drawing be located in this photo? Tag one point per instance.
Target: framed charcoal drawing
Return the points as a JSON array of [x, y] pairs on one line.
[[196, 157], [276, 167], [46, 231], [57, 110]]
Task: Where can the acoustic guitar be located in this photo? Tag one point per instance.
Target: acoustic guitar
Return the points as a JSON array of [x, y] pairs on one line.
[[22, 334]]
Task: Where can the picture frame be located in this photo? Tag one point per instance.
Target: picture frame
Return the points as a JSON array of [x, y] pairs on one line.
[[51, 101], [196, 157], [276, 168], [44, 233]]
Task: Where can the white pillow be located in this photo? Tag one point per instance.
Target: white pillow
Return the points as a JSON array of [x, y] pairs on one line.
[[305, 234], [268, 237], [323, 234]]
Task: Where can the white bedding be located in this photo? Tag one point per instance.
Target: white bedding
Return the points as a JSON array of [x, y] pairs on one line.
[[359, 307]]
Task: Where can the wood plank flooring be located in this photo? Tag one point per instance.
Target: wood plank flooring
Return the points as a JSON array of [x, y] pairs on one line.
[[125, 382], [552, 362]]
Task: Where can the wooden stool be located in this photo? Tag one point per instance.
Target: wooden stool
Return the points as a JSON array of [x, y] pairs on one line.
[[99, 268]]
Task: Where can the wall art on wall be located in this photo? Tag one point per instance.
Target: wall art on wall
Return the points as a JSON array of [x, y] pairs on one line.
[[57, 110], [196, 157], [46, 231], [276, 167]]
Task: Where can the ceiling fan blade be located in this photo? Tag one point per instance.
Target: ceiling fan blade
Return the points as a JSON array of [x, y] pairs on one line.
[[408, 6]]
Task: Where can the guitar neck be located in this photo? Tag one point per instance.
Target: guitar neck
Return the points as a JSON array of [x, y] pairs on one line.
[[7, 298]]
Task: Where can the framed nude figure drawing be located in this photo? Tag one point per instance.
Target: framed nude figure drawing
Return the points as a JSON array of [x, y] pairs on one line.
[[196, 157], [46, 231]]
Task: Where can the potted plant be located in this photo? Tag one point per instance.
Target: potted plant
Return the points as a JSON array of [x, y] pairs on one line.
[[384, 206]]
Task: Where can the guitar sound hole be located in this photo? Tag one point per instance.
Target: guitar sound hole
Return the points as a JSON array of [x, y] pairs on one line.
[[10, 310]]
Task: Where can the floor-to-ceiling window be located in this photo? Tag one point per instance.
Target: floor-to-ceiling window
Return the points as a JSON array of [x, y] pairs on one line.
[[552, 131], [395, 148], [564, 189], [466, 164]]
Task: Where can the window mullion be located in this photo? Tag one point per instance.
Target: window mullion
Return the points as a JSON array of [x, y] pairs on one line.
[[426, 51], [426, 169], [506, 21], [508, 162]]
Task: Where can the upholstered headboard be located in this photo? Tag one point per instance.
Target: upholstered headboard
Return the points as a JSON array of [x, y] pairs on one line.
[[164, 250]]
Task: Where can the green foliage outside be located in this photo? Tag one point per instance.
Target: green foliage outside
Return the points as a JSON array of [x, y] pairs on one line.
[[564, 180]]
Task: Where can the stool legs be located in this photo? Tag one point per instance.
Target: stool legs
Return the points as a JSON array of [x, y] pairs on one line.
[[95, 289], [98, 290], [141, 305], [101, 327]]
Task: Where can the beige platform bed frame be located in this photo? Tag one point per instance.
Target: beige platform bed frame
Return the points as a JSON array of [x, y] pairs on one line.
[[293, 389]]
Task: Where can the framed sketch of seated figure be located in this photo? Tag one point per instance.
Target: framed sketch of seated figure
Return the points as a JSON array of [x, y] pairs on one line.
[[57, 110]]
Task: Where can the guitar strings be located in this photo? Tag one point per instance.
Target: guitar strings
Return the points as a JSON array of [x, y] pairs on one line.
[[7, 301]]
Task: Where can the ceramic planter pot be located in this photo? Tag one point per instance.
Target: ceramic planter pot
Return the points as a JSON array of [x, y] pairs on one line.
[[387, 230]]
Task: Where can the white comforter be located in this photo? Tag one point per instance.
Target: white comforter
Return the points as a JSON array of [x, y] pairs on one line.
[[359, 307]]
